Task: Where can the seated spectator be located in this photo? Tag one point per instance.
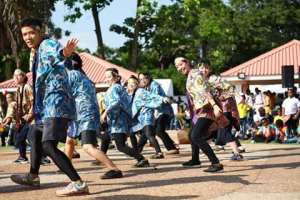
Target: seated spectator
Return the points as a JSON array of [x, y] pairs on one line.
[[266, 132], [277, 114], [280, 131], [260, 115]]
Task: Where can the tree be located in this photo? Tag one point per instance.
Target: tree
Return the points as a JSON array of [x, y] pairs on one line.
[[11, 43], [137, 29], [95, 6], [262, 25]]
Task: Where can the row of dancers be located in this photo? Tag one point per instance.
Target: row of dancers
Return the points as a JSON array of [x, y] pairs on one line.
[[65, 105]]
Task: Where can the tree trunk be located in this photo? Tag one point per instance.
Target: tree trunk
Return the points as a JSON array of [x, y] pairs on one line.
[[100, 49], [204, 49], [135, 43]]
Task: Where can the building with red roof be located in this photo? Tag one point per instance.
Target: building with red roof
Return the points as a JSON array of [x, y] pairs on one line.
[[93, 66], [266, 69]]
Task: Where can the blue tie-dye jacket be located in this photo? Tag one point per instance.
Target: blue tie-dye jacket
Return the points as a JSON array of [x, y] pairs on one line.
[[84, 94], [143, 105], [52, 92], [115, 101], [165, 108]]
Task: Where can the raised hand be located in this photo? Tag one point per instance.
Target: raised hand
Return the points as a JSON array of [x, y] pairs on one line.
[[70, 47]]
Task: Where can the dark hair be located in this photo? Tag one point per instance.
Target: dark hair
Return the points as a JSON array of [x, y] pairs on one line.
[[25, 79], [115, 74], [134, 77], [147, 75], [32, 22], [204, 62], [113, 70], [279, 123], [77, 62]]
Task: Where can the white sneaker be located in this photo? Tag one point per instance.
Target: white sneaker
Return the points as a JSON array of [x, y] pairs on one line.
[[73, 189]]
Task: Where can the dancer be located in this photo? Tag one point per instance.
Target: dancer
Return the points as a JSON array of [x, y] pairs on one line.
[[163, 114], [205, 112], [116, 116], [88, 118], [53, 107]]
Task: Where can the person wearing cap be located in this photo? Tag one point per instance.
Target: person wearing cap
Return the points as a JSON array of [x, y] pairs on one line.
[[291, 111]]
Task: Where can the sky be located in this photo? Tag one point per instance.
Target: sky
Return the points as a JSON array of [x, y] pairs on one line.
[[83, 28]]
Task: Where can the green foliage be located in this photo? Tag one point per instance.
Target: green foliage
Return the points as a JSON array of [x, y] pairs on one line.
[[77, 7]]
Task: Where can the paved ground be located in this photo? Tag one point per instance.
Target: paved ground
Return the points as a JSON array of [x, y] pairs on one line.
[[270, 171]]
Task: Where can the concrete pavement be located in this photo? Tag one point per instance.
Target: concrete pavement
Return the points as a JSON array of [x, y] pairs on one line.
[[270, 171]]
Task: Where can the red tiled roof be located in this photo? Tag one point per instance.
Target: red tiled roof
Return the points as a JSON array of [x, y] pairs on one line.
[[93, 66], [270, 63]]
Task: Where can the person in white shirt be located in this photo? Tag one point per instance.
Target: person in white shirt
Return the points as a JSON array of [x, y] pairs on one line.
[[291, 111], [258, 100]]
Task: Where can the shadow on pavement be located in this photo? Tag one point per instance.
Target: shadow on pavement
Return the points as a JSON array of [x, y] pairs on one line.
[[185, 180], [293, 165], [144, 197], [22, 188]]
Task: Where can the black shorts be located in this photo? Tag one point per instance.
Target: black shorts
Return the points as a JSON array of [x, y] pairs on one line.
[[89, 137], [55, 129]]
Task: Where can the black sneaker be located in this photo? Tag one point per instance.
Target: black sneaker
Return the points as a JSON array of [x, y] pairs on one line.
[[75, 155], [21, 160], [26, 179], [112, 174], [192, 163], [157, 156], [142, 163], [214, 168], [45, 161], [95, 163]]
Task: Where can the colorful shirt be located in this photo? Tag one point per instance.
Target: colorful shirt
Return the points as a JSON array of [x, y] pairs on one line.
[[24, 101], [52, 92], [165, 108], [200, 90], [143, 105], [115, 101], [84, 94]]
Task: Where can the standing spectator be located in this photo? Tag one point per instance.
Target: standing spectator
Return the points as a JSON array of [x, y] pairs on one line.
[[3, 132], [291, 111], [258, 100], [9, 120], [250, 101], [243, 109], [267, 102], [24, 113], [279, 100]]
